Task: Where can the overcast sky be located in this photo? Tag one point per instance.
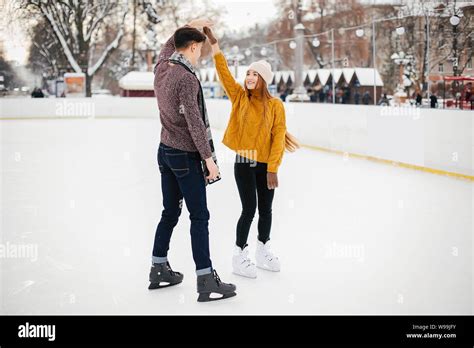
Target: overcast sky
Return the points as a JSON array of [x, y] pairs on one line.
[[245, 13]]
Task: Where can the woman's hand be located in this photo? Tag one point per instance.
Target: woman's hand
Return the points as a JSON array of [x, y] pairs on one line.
[[200, 23], [212, 40], [272, 180], [210, 35]]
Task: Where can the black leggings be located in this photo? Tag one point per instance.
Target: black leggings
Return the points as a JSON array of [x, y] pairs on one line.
[[251, 179]]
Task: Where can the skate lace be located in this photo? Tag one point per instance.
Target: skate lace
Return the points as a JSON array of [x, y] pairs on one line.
[[173, 273], [216, 277]]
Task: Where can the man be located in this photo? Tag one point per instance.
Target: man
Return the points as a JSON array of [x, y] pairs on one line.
[[357, 98], [468, 95], [384, 100], [433, 101], [419, 100], [186, 141], [366, 98]]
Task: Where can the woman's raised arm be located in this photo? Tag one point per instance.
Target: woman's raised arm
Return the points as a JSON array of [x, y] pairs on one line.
[[232, 88]]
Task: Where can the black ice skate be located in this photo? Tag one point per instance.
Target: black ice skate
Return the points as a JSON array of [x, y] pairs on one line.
[[210, 284], [162, 276]]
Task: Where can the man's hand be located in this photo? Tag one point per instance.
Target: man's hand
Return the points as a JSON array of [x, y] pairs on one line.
[[272, 180], [200, 23], [212, 168], [210, 35]]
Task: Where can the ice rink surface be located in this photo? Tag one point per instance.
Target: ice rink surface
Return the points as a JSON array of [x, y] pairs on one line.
[[353, 236]]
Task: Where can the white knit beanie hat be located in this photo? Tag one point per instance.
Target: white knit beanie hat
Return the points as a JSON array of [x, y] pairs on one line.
[[264, 69]]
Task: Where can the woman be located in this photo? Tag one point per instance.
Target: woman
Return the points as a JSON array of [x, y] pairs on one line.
[[257, 133]]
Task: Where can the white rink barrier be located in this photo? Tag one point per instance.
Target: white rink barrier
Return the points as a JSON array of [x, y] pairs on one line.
[[438, 141], [100, 107]]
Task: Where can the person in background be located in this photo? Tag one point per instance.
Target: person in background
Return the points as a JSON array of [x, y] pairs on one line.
[[468, 94], [433, 101], [329, 96], [37, 93], [366, 98], [418, 99], [339, 95], [322, 95], [313, 97], [346, 99], [384, 100], [357, 97], [471, 96]]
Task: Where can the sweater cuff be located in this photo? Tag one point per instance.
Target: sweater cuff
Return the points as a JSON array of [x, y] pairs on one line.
[[272, 168], [205, 153]]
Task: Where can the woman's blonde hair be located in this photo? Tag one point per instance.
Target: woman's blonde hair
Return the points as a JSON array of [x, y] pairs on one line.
[[291, 143]]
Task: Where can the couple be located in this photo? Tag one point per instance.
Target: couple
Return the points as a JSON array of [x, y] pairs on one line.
[[187, 161]]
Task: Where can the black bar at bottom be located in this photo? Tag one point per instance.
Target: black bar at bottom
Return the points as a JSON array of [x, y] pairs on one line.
[[451, 331]]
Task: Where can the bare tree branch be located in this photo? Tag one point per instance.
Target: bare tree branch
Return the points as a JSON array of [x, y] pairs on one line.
[[108, 50]]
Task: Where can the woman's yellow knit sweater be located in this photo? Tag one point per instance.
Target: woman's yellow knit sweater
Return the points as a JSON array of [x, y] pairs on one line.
[[247, 132]]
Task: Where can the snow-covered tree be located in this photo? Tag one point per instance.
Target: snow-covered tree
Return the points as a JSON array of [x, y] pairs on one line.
[[45, 55], [80, 29]]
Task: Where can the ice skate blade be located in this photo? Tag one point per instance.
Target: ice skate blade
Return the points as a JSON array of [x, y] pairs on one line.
[[268, 269], [206, 297], [154, 286], [244, 275]]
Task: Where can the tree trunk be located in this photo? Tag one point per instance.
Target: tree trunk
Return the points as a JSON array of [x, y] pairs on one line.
[[88, 85]]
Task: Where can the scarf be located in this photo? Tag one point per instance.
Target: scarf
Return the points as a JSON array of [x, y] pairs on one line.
[[179, 58]]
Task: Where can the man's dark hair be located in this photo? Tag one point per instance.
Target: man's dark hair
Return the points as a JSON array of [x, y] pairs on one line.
[[183, 37]]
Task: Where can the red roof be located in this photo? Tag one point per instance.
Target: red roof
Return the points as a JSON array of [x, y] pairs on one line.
[[458, 78]]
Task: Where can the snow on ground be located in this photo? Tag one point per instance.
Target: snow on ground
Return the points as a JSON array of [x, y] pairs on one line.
[[354, 236]]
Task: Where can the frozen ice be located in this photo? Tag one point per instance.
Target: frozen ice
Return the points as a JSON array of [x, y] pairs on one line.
[[353, 236]]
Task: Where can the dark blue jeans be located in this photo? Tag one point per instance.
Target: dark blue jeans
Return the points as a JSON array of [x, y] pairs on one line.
[[182, 177]]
